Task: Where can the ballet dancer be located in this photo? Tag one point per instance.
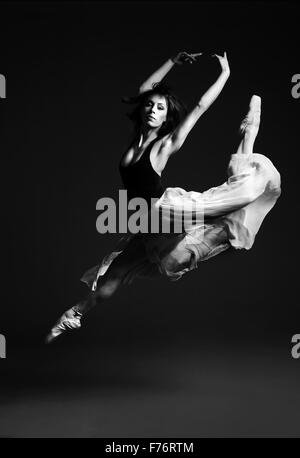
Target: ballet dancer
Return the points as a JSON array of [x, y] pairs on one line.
[[233, 211]]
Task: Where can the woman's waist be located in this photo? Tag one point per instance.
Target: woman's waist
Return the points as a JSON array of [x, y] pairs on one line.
[[144, 191]]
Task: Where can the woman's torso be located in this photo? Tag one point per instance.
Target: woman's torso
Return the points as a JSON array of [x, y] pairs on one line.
[[158, 153], [141, 168]]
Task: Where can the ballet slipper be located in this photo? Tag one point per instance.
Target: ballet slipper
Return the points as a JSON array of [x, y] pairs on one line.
[[68, 321], [252, 115]]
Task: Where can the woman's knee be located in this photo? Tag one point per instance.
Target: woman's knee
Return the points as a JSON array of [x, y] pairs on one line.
[[176, 261]]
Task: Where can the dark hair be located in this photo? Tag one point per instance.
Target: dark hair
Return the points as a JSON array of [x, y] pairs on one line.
[[176, 109]]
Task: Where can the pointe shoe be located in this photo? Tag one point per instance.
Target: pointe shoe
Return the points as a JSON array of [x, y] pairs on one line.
[[68, 321], [253, 115]]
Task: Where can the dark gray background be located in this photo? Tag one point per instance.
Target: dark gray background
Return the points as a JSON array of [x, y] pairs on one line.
[[209, 355]]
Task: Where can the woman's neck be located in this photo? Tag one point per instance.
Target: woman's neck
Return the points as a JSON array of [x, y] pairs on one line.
[[147, 135]]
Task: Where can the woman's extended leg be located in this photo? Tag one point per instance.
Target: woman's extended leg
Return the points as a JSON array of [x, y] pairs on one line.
[[250, 126], [131, 261]]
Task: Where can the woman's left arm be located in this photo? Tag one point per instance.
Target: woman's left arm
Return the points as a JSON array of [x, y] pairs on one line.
[[178, 136]]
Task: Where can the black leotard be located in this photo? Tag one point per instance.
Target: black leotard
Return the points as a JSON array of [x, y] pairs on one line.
[[140, 179]]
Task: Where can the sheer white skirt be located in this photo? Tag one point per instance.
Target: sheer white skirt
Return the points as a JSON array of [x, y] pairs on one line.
[[224, 216]]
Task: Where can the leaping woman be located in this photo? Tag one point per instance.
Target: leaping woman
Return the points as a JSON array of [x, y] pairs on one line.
[[233, 211]]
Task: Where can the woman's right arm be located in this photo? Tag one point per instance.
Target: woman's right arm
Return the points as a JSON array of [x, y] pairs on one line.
[[159, 74]]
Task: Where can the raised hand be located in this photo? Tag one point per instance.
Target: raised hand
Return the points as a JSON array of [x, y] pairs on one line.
[[183, 57], [223, 62]]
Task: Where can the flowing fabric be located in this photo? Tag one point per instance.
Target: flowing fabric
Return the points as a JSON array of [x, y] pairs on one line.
[[225, 216]]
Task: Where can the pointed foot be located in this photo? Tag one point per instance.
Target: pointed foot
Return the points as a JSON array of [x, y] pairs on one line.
[[67, 322], [253, 116]]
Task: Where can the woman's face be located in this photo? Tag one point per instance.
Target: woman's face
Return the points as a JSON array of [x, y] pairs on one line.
[[154, 112]]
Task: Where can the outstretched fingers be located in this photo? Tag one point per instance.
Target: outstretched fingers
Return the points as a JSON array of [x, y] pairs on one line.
[[192, 57], [223, 61], [220, 57]]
